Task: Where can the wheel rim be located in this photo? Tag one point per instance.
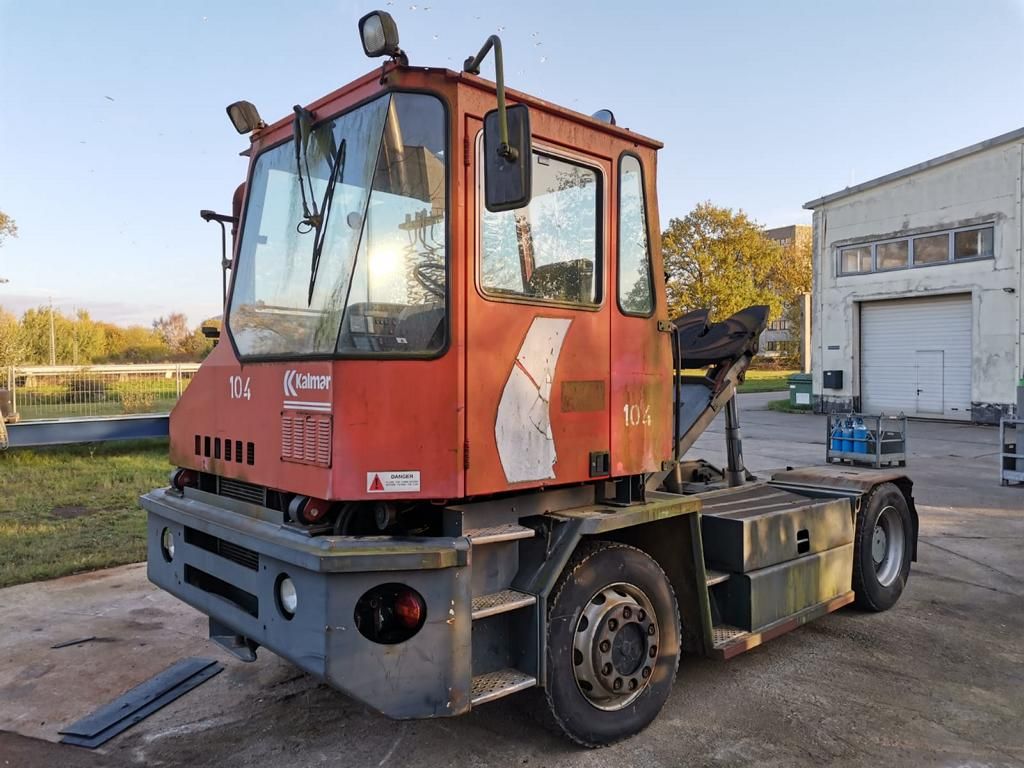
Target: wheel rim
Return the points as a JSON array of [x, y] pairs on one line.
[[615, 646], [887, 546]]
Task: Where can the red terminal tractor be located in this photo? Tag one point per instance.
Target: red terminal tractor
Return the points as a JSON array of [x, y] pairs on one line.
[[441, 452]]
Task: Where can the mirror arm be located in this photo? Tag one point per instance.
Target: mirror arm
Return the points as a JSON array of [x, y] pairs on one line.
[[225, 262], [472, 66]]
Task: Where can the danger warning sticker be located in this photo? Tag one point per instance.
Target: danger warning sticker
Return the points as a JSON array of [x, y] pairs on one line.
[[392, 482]]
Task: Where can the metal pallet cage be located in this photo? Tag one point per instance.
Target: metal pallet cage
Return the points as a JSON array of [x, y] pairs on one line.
[[884, 442]]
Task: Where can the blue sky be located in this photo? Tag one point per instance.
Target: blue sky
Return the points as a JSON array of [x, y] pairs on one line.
[[113, 133]]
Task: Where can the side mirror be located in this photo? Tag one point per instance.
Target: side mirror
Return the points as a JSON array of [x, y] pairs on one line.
[[508, 159]]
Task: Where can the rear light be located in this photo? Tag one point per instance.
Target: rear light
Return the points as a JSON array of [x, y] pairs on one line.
[[167, 544], [182, 478], [409, 608], [390, 613]]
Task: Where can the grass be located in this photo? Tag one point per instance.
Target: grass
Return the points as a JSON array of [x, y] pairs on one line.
[[783, 406], [766, 381], [70, 509]]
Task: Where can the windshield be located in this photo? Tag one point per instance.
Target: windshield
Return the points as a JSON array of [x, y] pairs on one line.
[[380, 282]]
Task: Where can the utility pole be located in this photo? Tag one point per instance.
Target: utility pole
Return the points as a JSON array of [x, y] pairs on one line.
[[53, 337]]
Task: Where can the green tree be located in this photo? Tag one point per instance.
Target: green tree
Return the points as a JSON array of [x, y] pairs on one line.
[[720, 260], [11, 352]]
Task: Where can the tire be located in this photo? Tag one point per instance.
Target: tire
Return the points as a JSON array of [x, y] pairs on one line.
[[601, 634], [883, 542]]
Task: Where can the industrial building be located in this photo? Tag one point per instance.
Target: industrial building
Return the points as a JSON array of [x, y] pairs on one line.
[[918, 292], [779, 338]]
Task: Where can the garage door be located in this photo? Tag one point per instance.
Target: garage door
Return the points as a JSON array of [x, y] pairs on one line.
[[916, 357]]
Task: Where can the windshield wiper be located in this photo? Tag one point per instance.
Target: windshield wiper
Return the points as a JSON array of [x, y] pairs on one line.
[[315, 220], [337, 174]]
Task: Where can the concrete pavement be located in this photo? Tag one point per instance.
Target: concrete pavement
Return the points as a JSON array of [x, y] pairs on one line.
[[937, 681]]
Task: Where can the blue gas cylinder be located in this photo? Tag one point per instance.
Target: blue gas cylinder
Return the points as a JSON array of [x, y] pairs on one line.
[[848, 436], [860, 436], [837, 436]]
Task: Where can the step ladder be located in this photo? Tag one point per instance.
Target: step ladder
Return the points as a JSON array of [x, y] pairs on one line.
[[497, 606]]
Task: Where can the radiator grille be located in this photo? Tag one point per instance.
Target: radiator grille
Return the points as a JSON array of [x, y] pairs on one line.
[[306, 438], [241, 490], [233, 552]]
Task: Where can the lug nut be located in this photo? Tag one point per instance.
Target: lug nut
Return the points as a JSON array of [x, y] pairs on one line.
[[651, 630], [641, 615], [653, 652], [646, 673], [632, 683], [605, 646], [613, 624], [627, 613], [606, 669], [617, 685]]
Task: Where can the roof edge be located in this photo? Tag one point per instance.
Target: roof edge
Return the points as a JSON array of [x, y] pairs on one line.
[[949, 157]]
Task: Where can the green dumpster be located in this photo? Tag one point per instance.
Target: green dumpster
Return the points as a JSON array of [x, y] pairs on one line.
[[800, 390]]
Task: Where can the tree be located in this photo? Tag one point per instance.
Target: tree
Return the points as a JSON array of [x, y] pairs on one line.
[[7, 227], [174, 331], [11, 351], [720, 260]]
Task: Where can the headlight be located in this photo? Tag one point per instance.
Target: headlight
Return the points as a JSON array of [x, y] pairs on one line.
[[287, 597], [167, 544]]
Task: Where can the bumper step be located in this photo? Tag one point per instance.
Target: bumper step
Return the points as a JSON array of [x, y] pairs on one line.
[[498, 533], [501, 602], [495, 685]]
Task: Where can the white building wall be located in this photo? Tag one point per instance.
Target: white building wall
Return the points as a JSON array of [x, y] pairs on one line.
[[979, 188]]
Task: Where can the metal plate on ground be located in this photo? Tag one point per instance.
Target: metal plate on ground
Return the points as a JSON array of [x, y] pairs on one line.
[[140, 702]]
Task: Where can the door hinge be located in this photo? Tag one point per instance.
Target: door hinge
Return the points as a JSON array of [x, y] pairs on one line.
[[465, 455]]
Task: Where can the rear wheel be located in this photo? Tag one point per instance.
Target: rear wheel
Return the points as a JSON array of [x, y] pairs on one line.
[[613, 643], [882, 548]]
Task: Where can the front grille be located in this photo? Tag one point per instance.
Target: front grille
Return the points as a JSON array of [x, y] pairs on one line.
[[242, 491], [306, 438], [210, 448], [233, 552]]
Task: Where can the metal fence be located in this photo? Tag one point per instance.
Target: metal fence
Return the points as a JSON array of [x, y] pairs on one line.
[[94, 391]]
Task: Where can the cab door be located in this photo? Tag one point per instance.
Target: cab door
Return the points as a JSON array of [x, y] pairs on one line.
[[641, 354], [537, 328]]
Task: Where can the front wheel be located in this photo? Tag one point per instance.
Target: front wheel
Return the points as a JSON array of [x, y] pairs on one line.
[[613, 643], [882, 546]]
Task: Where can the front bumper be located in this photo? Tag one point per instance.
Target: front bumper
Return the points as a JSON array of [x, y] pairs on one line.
[[227, 563]]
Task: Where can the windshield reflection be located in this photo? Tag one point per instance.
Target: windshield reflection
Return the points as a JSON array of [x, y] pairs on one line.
[[381, 281]]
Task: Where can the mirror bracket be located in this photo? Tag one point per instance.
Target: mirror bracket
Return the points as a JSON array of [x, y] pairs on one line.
[[472, 66]]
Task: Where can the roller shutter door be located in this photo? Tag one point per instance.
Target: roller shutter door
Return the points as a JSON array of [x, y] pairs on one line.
[[916, 357]]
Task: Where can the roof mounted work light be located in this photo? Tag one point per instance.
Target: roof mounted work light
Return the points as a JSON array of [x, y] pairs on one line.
[[245, 117], [379, 35]]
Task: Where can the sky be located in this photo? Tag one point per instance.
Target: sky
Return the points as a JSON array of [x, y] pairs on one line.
[[113, 133]]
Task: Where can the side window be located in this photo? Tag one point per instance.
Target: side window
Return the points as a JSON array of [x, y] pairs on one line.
[[635, 293], [550, 249]]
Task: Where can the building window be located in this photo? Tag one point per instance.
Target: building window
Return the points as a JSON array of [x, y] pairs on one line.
[[933, 249], [779, 325], [891, 255], [973, 244], [549, 250], [925, 250], [856, 260]]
